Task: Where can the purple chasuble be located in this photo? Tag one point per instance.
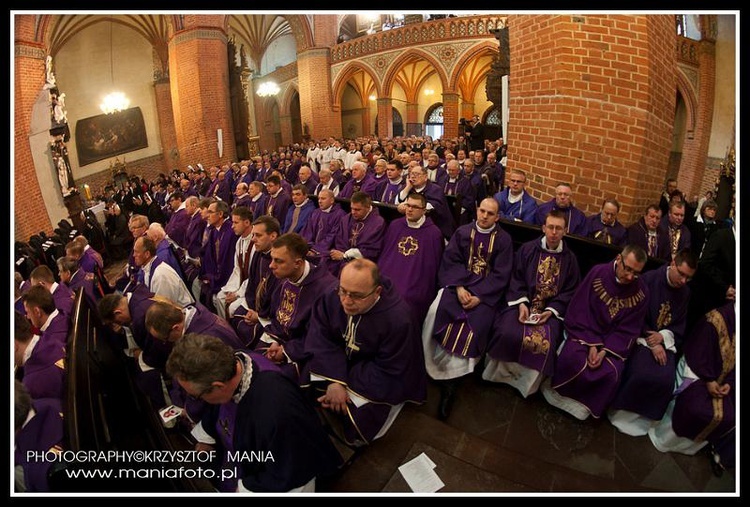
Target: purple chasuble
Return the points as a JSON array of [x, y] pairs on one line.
[[411, 258], [606, 314], [542, 280], [646, 386], [481, 263]]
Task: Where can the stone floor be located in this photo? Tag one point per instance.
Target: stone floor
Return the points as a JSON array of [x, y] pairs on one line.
[[495, 441]]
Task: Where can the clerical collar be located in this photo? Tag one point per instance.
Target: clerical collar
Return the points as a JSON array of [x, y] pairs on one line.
[[241, 196], [419, 190], [305, 272], [367, 215], [396, 182], [484, 231], [278, 192], [669, 282], [327, 210], [302, 203], [417, 224], [514, 198], [556, 250], [29, 349], [189, 312], [452, 180], [246, 377], [257, 196], [49, 320]]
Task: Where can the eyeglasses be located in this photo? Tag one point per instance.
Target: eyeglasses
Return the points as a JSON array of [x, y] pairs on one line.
[[343, 294], [683, 275], [200, 395], [629, 270], [412, 206]]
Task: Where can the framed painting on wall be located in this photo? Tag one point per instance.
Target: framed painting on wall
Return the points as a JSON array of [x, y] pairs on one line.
[[106, 135]]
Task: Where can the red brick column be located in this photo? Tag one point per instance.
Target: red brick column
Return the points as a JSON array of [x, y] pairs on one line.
[[285, 122], [467, 109], [592, 103], [695, 151], [31, 215], [450, 114], [412, 112], [385, 117], [163, 95], [315, 98], [199, 81]]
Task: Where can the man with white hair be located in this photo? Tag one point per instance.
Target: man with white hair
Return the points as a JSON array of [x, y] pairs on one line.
[[327, 183], [361, 181], [163, 250]]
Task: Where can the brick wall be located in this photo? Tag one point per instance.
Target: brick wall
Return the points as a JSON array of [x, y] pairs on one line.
[[199, 87], [592, 104], [30, 215], [315, 98], [166, 124]]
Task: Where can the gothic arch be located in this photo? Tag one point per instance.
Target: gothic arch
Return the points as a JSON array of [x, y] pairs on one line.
[[405, 57], [691, 101], [343, 77], [286, 100], [302, 31], [483, 48]]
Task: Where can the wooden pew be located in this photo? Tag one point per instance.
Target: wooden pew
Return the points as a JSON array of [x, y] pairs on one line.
[[104, 411]]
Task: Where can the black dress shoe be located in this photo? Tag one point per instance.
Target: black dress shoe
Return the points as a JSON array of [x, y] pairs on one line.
[[447, 395]]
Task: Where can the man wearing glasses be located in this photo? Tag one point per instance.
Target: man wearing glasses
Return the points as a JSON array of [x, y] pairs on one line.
[[266, 433], [515, 203], [648, 380], [412, 249], [366, 355], [603, 320]]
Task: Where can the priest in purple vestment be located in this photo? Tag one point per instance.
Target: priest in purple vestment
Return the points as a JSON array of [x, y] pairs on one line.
[[437, 204], [321, 226], [412, 249], [43, 363], [648, 379], [42, 276], [527, 332], [361, 181], [605, 227], [674, 234], [604, 319], [261, 285], [53, 325], [278, 201], [302, 284], [703, 410], [473, 277], [178, 222], [217, 262], [258, 198], [389, 187], [252, 410], [646, 233], [366, 355], [359, 234], [39, 429], [563, 202]]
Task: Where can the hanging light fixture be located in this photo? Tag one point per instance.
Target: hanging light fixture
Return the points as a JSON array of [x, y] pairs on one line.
[[268, 89], [115, 101]]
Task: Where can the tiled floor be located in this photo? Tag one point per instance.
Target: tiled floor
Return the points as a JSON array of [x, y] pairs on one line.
[[495, 441]]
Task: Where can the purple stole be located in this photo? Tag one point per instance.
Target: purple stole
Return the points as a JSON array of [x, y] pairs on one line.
[[243, 261], [391, 192], [225, 432], [288, 306], [450, 187]]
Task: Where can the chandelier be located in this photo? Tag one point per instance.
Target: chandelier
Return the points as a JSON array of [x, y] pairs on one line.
[[268, 89], [115, 101]]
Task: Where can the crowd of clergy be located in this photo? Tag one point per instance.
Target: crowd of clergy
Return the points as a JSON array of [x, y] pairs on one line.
[[274, 320]]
